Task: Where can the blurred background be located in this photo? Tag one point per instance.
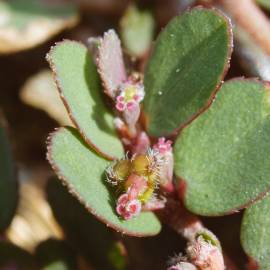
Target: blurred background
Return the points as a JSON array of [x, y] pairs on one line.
[[44, 226]]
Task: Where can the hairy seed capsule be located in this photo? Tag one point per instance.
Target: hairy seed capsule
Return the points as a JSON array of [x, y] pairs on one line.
[[140, 165], [122, 169]]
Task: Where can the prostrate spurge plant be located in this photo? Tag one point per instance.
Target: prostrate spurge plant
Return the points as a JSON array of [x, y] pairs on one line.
[[120, 163]]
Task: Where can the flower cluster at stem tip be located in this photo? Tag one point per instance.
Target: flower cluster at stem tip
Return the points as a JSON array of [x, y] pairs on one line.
[[131, 94], [124, 88], [137, 180], [203, 252]]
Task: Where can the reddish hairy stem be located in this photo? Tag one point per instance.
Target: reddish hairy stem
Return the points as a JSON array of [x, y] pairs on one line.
[[179, 219], [185, 223]]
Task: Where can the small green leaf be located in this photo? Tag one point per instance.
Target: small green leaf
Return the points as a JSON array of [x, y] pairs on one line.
[[222, 157], [8, 182], [54, 254], [79, 86], [137, 30], [84, 173], [255, 232], [27, 23], [189, 60]]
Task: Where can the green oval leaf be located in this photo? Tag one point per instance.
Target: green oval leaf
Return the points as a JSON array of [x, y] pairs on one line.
[[79, 86], [189, 60], [222, 157], [255, 232], [27, 23], [83, 172], [8, 182]]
